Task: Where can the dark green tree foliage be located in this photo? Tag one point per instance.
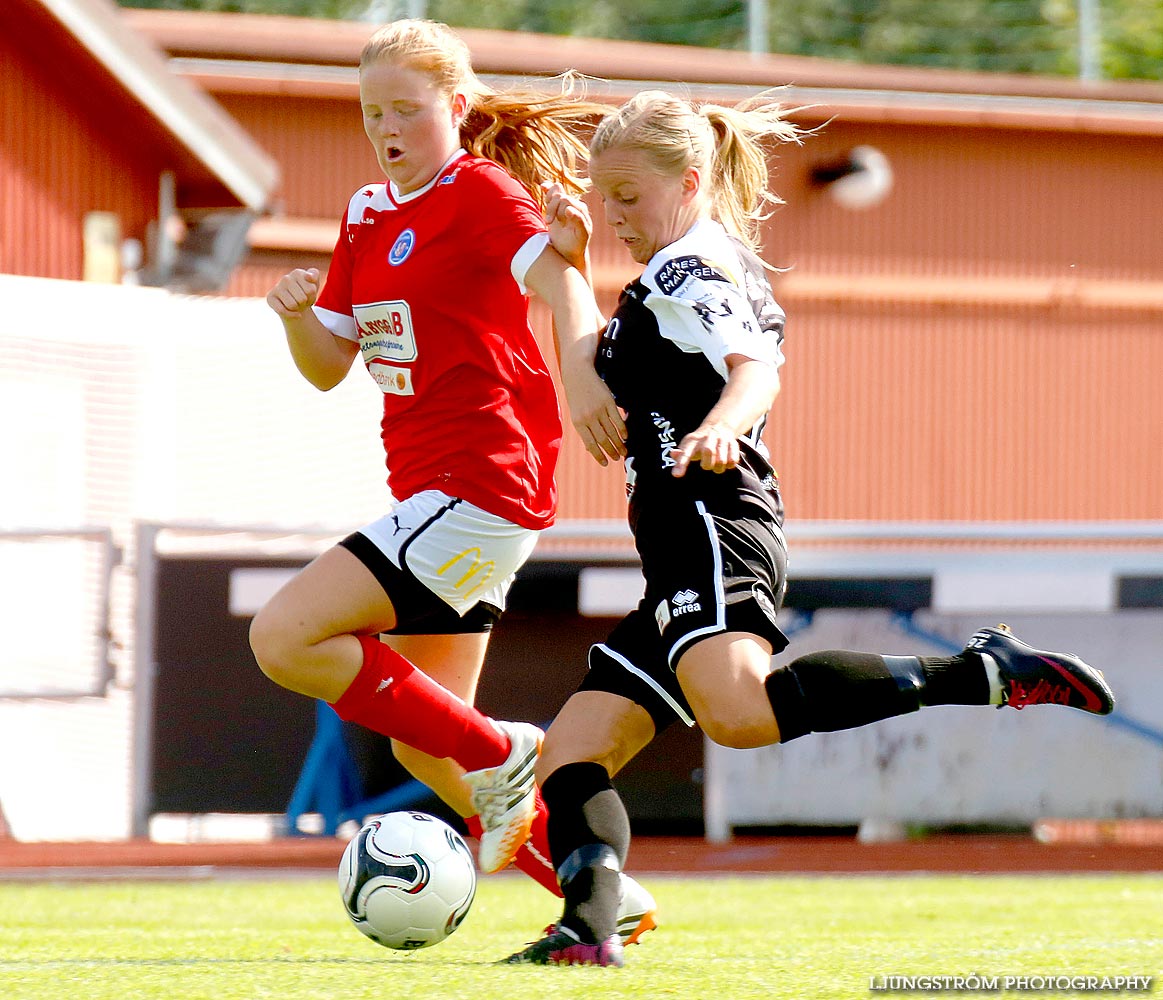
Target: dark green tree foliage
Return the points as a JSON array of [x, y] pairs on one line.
[[715, 23], [1015, 36], [337, 9], [1010, 36], [1132, 39]]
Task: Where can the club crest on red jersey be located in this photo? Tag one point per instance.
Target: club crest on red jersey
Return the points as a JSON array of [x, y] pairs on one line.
[[402, 247]]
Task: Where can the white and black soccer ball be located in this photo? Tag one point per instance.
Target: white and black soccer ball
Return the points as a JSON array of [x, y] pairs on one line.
[[407, 880]]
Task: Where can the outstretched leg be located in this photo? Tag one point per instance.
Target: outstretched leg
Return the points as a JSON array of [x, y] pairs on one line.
[[839, 689]]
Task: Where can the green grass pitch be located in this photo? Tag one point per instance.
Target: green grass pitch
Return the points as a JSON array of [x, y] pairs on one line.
[[720, 938]]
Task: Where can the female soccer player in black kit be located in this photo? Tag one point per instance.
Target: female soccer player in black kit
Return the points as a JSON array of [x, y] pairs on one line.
[[692, 357]]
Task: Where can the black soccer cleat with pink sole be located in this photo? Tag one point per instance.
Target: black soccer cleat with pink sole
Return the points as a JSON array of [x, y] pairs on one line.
[[1037, 677], [560, 947]]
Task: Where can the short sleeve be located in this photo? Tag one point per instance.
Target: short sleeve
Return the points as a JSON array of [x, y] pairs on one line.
[[507, 224], [705, 306], [525, 257], [333, 306]]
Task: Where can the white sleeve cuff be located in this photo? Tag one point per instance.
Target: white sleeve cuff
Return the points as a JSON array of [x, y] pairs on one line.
[[758, 347], [523, 259], [338, 323]]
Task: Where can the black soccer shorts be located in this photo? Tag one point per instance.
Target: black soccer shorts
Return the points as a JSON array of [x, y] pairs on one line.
[[706, 573]]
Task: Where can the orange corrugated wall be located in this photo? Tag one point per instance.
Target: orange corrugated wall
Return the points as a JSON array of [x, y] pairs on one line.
[[43, 199], [319, 144], [968, 396], [984, 415]]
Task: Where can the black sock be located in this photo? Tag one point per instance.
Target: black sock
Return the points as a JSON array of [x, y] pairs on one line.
[[839, 689], [955, 680], [589, 836]]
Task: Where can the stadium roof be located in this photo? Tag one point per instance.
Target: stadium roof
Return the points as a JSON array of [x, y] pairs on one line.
[[263, 54], [93, 46]]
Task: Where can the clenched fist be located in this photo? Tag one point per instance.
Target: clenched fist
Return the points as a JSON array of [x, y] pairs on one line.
[[295, 292]]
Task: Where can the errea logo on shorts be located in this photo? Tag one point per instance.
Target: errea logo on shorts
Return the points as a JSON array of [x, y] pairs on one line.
[[683, 603]]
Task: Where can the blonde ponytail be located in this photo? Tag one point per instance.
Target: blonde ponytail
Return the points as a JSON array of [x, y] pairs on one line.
[[727, 145], [740, 195]]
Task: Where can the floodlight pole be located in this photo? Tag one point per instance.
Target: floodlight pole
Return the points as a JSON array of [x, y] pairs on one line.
[[757, 26], [1089, 40]]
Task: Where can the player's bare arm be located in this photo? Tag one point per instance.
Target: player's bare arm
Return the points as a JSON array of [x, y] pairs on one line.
[[576, 328], [570, 226], [748, 395], [322, 358]]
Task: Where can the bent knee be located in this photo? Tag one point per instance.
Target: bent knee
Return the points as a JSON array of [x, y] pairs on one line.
[[272, 651], [738, 733]]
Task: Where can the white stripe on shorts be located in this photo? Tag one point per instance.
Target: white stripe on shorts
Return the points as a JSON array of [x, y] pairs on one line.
[[646, 678], [687, 638]]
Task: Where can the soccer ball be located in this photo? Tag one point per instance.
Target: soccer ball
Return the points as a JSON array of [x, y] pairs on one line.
[[407, 880]]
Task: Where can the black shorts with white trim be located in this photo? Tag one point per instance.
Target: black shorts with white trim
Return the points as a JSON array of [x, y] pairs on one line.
[[707, 572]]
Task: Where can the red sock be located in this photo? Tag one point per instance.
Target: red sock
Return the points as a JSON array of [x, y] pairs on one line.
[[532, 856], [390, 696]]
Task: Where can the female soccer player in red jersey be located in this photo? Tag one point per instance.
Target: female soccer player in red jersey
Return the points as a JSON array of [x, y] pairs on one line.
[[428, 285]]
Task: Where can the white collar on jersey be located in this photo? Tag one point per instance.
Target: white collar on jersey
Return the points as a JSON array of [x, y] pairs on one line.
[[401, 199], [704, 229]]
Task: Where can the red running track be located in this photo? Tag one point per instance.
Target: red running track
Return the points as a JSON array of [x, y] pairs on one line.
[[745, 854]]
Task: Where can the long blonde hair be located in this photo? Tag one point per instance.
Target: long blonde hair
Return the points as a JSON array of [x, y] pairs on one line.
[[535, 136], [725, 144]]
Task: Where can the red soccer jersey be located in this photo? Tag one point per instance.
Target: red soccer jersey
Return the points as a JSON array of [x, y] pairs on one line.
[[428, 283]]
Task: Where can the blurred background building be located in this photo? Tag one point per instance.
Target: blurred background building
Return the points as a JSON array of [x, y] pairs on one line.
[[972, 265]]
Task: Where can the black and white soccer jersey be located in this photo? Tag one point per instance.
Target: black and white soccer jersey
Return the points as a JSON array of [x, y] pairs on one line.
[[663, 356], [711, 544]]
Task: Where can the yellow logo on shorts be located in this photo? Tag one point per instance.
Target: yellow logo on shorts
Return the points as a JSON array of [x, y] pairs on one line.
[[476, 567]]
